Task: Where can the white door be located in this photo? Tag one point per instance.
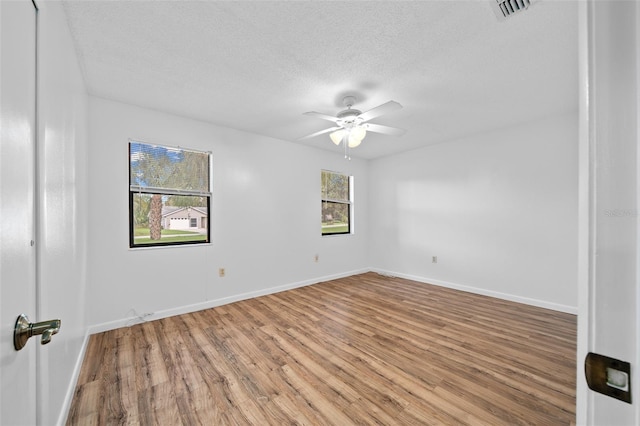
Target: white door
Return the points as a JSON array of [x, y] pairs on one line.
[[17, 253], [609, 305]]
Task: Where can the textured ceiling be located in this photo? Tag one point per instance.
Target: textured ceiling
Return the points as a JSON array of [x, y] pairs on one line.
[[257, 66]]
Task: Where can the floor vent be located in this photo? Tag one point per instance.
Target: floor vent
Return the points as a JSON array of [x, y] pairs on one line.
[[506, 8]]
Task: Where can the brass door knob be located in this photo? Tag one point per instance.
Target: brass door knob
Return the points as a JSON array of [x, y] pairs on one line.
[[25, 329]]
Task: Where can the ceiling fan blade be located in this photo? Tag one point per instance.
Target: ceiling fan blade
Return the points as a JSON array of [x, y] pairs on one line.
[[378, 128], [380, 110], [321, 132], [322, 116]]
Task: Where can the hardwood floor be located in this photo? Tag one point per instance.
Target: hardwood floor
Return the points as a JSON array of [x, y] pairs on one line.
[[366, 349]]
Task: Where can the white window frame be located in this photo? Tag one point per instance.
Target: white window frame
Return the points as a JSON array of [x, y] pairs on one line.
[[324, 199], [136, 188]]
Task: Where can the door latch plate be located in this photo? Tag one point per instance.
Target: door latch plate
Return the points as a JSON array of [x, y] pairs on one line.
[[608, 376]]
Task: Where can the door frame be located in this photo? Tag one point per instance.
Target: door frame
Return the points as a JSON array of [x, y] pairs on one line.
[[588, 303], [583, 398]]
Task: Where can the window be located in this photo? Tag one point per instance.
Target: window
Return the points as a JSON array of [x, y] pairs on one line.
[[169, 195], [336, 190]]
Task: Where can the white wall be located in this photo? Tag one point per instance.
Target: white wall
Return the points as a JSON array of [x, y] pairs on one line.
[[63, 196], [499, 210], [265, 219]]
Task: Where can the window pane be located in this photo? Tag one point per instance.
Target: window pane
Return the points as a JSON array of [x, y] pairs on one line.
[[169, 168], [168, 219], [169, 195], [335, 186], [335, 218]]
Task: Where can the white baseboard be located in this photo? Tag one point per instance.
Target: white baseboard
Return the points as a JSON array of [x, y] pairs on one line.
[[126, 322], [498, 295], [68, 399]]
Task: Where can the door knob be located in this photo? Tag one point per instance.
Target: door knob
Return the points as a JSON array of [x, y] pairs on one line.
[[25, 329]]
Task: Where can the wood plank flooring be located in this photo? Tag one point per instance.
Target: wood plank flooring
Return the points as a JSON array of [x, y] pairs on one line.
[[367, 349]]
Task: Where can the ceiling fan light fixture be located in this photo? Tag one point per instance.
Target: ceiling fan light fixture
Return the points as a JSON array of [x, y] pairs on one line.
[[355, 136], [353, 142], [337, 136], [358, 132]]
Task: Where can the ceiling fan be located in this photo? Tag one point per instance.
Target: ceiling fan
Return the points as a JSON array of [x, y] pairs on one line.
[[352, 124]]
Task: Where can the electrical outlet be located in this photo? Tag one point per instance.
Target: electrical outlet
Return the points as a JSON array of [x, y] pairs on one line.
[[316, 258], [221, 272], [434, 259]]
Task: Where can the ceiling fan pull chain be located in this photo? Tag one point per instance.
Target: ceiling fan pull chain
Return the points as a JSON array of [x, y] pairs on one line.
[[344, 144], [346, 147]]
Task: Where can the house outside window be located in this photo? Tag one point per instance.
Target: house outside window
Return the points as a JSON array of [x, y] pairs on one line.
[[169, 195], [336, 203]]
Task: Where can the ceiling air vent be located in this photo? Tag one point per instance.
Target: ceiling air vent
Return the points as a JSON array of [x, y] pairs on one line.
[[505, 8]]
